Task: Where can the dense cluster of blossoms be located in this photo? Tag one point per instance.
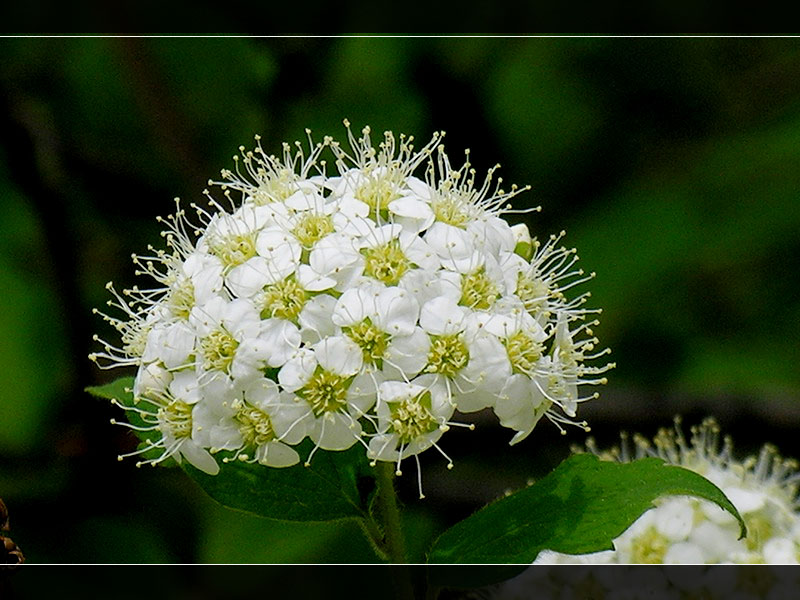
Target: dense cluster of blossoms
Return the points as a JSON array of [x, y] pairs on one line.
[[638, 582], [366, 306], [681, 529]]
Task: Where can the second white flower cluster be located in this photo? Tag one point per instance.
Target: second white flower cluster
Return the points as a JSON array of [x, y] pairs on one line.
[[364, 307]]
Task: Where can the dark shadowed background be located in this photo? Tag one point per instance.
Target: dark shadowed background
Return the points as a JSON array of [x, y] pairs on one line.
[[673, 164]]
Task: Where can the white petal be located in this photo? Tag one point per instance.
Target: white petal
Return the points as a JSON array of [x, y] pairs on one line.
[[334, 431], [241, 319], [298, 370], [206, 274], [177, 343], [419, 188], [350, 212], [466, 264], [408, 353], [488, 366], [276, 454], [449, 242], [290, 420], [516, 396], [246, 365], [152, 378], [521, 234], [304, 200], [493, 234], [512, 265], [312, 281], [247, 279], [412, 214], [427, 285], [396, 311], [199, 458], [354, 306], [363, 392], [396, 391], [339, 355], [717, 543], [279, 339], [217, 391], [382, 235], [383, 446], [422, 443], [315, 318], [442, 316], [419, 252], [207, 317], [332, 253], [225, 436], [409, 206], [262, 393], [280, 248], [186, 387]]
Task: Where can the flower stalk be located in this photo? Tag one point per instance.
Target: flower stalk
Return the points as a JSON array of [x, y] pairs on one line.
[[390, 513], [393, 537]]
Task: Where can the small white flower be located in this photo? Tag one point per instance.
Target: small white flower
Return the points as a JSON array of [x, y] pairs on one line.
[[411, 418], [258, 419], [229, 338], [322, 377], [171, 421]]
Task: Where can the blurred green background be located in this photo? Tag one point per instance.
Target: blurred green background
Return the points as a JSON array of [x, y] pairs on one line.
[[673, 164]]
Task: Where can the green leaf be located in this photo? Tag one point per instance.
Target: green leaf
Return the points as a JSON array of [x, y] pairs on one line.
[[120, 390], [325, 491], [577, 509]]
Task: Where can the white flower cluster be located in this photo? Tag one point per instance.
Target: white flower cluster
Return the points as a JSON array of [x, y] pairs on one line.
[[638, 582], [366, 306], [683, 530]]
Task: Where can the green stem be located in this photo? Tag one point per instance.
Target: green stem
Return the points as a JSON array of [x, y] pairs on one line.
[[390, 513], [393, 540], [374, 537]]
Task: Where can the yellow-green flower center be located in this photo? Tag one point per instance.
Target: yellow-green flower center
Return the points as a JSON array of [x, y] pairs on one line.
[[448, 355], [386, 263], [412, 417], [533, 292], [377, 192], [276, 188], [557, 388], [134, 337], [311, 228], [326, 392], [181, 298], [370, 339], [233, 249], [523, 352], [478, 292], [449, 208], [284, 300], [177, 418], [218, 348], [649, 548], [254, 424]]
